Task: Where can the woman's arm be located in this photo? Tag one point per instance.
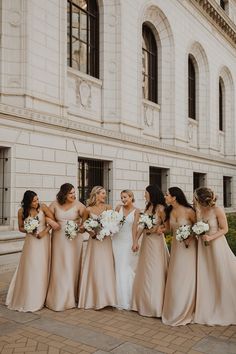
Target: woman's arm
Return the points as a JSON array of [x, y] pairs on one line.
[[21, 221], [50, 218], [222, 226], [136, 231]]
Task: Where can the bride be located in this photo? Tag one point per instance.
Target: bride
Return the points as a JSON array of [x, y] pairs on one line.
[[125, 259]]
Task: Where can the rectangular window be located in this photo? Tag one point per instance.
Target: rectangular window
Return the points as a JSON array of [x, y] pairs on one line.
[[159, 176], [199, 180], [92, 173], [4, 186], [227, 191]]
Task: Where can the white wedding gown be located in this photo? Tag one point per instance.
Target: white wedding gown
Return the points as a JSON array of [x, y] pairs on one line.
[[125, 262]]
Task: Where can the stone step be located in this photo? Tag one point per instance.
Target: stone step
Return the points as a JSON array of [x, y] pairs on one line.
[[8, 263], [11, 242]]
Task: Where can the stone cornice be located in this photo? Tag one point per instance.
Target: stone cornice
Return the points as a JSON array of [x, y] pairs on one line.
[[218, 17], [66, 124]]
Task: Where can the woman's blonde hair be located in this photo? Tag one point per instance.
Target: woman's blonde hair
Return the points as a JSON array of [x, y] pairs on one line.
[[130, 194], [92, 197], [205, 196]]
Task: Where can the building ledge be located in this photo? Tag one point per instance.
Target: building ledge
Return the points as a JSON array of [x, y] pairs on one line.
[[217, 16]]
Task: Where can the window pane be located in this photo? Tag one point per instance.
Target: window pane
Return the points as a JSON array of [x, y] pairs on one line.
[[76, 54], [83, 26]]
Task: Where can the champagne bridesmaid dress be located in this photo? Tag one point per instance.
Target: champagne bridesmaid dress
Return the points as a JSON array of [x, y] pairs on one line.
[[216, 279], [65, 263], [97, 287], [28, 288], [180, 293], [150, 278]]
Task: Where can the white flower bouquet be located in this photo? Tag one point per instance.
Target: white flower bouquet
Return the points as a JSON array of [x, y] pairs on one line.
[[183, 232], [31, 224], [200, 228], [71, 230], [107, 224], [147, 221]]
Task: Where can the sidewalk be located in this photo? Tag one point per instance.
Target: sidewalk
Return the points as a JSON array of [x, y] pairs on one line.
[[104, 331]]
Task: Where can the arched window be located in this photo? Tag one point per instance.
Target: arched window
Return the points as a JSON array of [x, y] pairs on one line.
[[83, 36], [149, 62], [191, 89], [221, 113]]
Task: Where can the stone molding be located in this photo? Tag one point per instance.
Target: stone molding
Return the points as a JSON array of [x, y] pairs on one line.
[[218, 17], [23, 115]]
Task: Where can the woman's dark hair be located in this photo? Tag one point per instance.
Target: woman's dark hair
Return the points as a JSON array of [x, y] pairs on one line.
[[156, 197], [26, 202], [180, 198], [62, 194]]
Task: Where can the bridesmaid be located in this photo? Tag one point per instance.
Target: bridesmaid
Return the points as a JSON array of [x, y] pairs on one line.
[[150, 278], [179, 302], [216, 270], [125, 260], [97, 287], [66, 254], [28, 288]]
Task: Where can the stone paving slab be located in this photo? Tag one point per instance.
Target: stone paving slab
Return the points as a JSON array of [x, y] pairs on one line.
[[105, 331], [77, 333], [214, 345]]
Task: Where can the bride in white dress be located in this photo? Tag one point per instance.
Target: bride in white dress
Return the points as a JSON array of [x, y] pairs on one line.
[[125, 259]]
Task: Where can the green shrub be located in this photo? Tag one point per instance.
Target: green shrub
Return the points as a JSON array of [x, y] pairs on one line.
[[231, 235]]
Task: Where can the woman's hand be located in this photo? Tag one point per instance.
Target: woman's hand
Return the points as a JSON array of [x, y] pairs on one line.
[[135, 247], [92, 234], [54, 225], [206, 238]]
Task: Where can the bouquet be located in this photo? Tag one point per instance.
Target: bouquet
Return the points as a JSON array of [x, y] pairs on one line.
[[31, 224], [200, 228], [183, 232], [147, 221], [71, 230], [106, 224]]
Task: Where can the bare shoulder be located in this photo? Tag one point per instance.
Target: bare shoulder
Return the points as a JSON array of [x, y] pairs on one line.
[[108, 207], [219, 211], [20, 212], [43, 206], [191, 212], [80, 205]]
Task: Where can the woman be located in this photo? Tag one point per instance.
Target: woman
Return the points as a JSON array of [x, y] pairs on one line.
[[66, 254], [150, 278], [179, 302], [97, 287], [216, 266], [28, 288], [125, 259]]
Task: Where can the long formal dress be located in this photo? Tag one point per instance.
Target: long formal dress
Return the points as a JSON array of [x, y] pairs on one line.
[[180, 293], [65, 263], [28, 288], [125, 261], [150, 278], [216, 279], [97, 288]]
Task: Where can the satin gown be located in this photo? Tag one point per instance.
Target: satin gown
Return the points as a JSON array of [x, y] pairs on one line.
[[28, 288], [125, 261], [97, 288], [150, 278], [216, 279], [180, 293], [65, 263]]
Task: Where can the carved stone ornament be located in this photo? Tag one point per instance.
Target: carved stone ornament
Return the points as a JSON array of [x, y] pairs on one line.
[[148, 116], [15, 18], [83, 93], [190, 132]]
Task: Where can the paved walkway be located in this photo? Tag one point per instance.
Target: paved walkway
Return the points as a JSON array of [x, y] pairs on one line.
[[104, 331]]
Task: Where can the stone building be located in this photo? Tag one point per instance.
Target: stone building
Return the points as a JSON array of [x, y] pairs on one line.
[[116, 92]]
